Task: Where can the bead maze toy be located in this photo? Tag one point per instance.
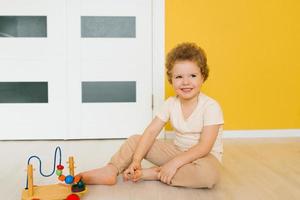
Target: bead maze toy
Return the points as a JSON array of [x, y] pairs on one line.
[[72, 189]]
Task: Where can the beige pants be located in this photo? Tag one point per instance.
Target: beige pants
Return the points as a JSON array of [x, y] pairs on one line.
[[202, 173]]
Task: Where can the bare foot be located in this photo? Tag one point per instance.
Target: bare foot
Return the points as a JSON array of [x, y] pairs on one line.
[[106, 175], [149, 174]]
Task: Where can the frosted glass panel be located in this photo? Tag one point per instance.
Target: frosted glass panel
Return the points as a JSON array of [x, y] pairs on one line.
[[23, 92], [23, 26], [109, 91], [107, 27]]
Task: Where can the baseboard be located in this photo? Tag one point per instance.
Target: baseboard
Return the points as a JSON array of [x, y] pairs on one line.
[[276, 133]]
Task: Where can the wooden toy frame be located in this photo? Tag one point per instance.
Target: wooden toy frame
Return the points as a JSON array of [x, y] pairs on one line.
[[49, 192]]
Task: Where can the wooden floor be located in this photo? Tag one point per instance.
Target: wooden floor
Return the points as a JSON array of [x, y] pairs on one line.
[[252, 169]]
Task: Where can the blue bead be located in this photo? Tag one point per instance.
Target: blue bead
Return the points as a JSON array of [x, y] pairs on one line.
[[69, 179]]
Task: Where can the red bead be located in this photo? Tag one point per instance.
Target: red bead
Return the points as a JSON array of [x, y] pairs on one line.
[[73, 197], [60, 167]]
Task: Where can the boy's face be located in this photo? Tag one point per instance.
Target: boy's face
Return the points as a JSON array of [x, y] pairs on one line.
[[186, 79]]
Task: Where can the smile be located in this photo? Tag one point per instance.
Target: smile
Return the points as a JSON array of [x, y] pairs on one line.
[[186, 89]]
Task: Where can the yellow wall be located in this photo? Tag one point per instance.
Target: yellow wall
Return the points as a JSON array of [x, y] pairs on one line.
[[253, 50]]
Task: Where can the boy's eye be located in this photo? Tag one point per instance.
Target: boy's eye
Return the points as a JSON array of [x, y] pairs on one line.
[[178, 77], [193, 75]]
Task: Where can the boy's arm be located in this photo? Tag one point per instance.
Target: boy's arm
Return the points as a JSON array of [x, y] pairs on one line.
[[207, 140], [148, 138], [146, 141]]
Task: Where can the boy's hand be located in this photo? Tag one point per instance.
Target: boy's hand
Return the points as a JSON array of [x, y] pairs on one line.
[[167, 171], [128, 174]]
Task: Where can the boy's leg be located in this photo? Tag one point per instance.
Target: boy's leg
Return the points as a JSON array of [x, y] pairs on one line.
[[123, 157], [107, 175], [159, 153], [202, 173]]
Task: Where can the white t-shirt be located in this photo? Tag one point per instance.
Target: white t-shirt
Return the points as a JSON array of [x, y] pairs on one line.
[[188, 131]]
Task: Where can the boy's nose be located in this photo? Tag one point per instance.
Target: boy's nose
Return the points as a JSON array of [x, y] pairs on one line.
[[185, 80]]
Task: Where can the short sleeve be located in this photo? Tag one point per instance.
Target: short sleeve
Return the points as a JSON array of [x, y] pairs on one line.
[[164, 111], [213, 114]]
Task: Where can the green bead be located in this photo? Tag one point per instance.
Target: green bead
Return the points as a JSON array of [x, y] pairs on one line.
[[80, 184], [58, 172]]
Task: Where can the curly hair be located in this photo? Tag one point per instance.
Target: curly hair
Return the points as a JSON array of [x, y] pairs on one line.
[[187, 51]]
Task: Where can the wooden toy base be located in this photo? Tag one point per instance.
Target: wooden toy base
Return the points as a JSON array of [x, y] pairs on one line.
[[50, 192]]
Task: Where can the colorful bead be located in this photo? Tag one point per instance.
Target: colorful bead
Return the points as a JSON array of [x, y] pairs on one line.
[[76, 179], [69, 179], [75, 188], [80, 184], [73, 197], [62, 178], [60, 167], [58, 172]]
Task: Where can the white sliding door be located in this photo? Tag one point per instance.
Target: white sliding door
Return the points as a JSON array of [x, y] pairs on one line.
[[32, 69], [112, 61], [75, 69]]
